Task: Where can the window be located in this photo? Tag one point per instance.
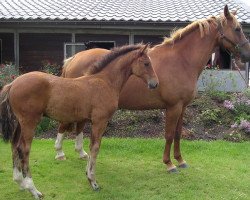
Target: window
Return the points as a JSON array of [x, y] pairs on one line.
[[71, 49]]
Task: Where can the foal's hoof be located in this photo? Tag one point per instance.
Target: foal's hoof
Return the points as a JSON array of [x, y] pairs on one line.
[[183, 165], [38, 195], [84, 157], [94, 186], [173, 170]]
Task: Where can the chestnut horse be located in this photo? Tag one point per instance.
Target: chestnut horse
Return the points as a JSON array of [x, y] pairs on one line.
[[93, 97], [178, 62]]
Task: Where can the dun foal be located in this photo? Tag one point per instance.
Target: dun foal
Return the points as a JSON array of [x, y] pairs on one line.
[[93, 97]]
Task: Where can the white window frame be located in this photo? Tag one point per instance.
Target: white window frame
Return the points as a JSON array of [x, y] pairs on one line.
[[73, 49]]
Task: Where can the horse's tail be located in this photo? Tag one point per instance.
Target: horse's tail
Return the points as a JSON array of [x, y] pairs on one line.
[[10, 125], [66, 63]]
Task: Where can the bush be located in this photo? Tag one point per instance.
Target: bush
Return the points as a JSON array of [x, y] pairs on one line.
[[51, 68], [240, 107], [8, 72], [46, 124]]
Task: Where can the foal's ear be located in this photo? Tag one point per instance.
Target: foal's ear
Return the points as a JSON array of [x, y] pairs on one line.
[[144, 49], [227, 14]]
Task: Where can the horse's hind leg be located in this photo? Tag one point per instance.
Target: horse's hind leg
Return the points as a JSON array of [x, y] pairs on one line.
[[62, 130], [98, 128], [177, 138], [23, 149], [79, 141]]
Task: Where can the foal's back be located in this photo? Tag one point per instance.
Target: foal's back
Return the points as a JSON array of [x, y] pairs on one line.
[[63, 99]]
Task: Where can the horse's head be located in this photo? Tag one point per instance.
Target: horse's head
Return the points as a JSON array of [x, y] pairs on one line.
[[232, 37], [142, 68]]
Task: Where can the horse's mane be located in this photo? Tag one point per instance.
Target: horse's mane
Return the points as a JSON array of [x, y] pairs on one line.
[[202, 24], [115, 52]]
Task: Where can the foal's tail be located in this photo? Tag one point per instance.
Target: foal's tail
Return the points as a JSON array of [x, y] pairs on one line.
[[10, 125], [66, 63]]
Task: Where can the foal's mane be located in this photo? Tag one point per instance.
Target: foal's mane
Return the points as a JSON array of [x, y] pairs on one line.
[[115, 53], [202, 24]]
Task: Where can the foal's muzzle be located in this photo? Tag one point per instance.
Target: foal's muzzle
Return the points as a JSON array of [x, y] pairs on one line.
[[153, 83]]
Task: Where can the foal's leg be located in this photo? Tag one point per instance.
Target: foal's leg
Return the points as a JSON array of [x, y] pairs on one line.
[[23, 149], [17, 168], [63, 128], [79, 141], [98, 128], [172, 116], [177, 138]]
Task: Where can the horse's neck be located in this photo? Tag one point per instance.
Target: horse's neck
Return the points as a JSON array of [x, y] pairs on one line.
[[196, 51], [118, 72]]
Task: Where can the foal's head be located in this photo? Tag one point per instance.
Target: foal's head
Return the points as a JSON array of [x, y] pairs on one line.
[[232, 36], [142, 68]]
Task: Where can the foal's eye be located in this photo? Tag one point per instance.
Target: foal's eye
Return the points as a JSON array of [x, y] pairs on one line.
[[146, 64]]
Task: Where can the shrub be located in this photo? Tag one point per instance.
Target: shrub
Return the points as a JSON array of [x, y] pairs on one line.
[[8, 72], [46, 124], [51, 68], [240, 106]]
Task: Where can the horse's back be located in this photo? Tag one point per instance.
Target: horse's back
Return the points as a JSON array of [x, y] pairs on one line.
[[82, 61]]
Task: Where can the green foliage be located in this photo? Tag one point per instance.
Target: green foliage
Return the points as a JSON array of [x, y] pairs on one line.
[[8, 72], [219, 96], [51, 68], [46, 124], [210, 116]]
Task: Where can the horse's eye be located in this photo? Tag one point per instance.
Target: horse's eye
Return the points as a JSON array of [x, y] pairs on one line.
[[146, 64], [237, 29]]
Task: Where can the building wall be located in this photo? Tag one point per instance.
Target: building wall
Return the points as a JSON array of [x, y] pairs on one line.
[[7, 47], [38, 49]]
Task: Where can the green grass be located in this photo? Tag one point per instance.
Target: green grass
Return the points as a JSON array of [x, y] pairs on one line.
[[132, 169]]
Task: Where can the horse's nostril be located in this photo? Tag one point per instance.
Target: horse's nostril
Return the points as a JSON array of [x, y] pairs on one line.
[[152, 84]]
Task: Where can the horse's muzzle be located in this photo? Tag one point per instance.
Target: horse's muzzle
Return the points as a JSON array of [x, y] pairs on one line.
[[245, 57], [152, 83]]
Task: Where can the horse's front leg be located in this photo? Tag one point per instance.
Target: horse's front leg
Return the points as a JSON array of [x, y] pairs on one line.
[[172, 117], [98, 128], [62, 130], [79, 141], [177, 138]]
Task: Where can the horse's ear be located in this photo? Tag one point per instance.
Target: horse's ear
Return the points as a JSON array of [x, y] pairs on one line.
[[227, 14], [235, 11], [144, 49]]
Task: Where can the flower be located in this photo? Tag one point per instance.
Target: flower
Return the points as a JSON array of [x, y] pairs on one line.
[[228, 104]]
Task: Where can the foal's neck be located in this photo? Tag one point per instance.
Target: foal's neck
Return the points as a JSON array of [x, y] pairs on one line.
[[118, 71]]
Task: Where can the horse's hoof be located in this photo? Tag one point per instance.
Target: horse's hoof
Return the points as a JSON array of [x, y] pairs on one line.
[[183, 165], [173, 170], [60, 158]]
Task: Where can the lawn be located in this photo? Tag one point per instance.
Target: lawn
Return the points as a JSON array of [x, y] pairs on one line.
[[132, 169]]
